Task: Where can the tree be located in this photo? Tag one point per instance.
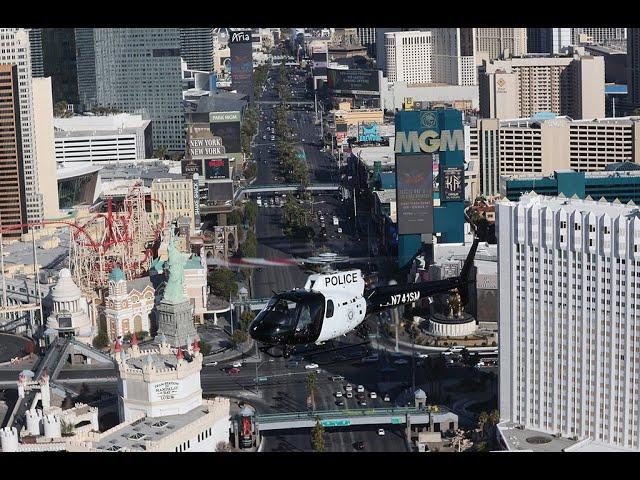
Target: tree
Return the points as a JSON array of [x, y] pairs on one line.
[[239, 337], [235, 218], [312, 387], [67, 429], [251, 212], [251, 170], [246, 318], [160, 152], [223, 282], [249, 248], [205, 347], [483, 418], [317, 437], [101, 340]]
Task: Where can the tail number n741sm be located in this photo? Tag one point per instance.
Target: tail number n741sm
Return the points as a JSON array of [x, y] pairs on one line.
[[404, 298]]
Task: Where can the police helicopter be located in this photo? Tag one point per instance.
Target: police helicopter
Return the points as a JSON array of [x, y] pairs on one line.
[[334, 303]]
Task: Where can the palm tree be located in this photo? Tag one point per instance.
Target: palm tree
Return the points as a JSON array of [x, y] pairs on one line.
[[312, 387], [317, 437], [483, 418]]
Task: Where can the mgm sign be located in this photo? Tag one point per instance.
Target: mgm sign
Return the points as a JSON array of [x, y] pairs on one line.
[[431, 139]]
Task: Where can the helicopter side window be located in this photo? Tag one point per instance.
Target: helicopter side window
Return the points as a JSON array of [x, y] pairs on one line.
[[329, 308]]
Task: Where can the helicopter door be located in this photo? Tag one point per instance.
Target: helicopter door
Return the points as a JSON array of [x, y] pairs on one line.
[[309, 319]]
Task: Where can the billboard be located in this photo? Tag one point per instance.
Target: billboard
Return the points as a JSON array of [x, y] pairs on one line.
[[241, 54], [359, 82], [229, 132], [368, 132], [189, 167], [217, 117], [205, 145], [414, 193], [196, 199], [220, 193], [452, 184], [216, 168]]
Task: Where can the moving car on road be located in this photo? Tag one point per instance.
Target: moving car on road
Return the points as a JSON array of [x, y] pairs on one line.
[[358, 445], [338, 394], [381, 431], [311, 366], [387, 398], [373, 395], [233, 371], [360, 389], [401, 361]]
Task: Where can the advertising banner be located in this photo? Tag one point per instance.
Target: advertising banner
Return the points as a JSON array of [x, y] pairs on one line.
[[217, 117], [362, 82], [196, 199], [189, 167], [229, 132], [414, 193], [216, 168], [241, 55], [220, 193], [203, 145], [452, 184]]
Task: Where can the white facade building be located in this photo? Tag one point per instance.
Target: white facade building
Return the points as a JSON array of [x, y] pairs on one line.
[[71, 314], [104, 138], [409, 56], [569, 283], [15, 49]]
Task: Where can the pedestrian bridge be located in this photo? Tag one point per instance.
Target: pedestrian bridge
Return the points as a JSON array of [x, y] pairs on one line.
[[373, 416], [297, 103], [289, 187]]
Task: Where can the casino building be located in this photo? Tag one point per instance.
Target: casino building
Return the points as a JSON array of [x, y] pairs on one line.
[[436, 213]]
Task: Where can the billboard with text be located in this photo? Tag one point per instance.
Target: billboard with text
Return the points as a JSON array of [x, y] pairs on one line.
[[241, 55], [362, 82], [414, 193]]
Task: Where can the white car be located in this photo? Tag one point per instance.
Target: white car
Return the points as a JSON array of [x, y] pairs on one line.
[[373, 395], [348, 388], [311, 366], [381, 431], [387, 398], [360, 389], [339, 229], [236, 364], [349, 394], [338, 394]]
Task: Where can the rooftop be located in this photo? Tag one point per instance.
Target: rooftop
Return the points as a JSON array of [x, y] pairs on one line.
[[134, 436], [67, 170], [569, 205], [532, 440], [96, 123]]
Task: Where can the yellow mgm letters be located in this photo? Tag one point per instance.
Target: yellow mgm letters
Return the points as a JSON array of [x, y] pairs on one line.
[[429, 141]]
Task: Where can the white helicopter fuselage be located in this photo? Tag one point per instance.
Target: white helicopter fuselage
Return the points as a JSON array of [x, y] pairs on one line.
[[345, 305]]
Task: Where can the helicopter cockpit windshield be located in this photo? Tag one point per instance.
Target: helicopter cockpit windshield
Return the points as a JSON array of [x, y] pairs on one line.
[[293, 313]]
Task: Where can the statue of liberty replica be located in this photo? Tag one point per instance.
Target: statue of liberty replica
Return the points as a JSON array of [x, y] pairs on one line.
[[175, 312]]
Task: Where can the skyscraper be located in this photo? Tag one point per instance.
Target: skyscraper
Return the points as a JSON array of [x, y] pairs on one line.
[[138, 71], [597, 35], [59, 63], [12, 193], [367, 38], [548, 40], [569, 307], [633, 65], [196, 48], [454, 56], [409, 56], [380, 55], [15, 49], [35, 42], [494, 43], [86, 68]]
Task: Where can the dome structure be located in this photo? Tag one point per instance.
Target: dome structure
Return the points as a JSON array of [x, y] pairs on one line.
[[420, 395], [65, 289], [116, 275]]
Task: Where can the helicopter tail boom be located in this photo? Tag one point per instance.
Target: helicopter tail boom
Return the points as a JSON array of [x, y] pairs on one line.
[[381, 298]]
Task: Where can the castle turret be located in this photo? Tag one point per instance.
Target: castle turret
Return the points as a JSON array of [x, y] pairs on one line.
[[45, 389], [52, 426], [34, 422], [9, 439]]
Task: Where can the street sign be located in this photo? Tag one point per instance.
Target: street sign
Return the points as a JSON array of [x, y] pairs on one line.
[[396, 420], [335, 423], [263, 379]]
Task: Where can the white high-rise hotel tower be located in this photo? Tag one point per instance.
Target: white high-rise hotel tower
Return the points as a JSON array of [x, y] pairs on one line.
[[570, 317]]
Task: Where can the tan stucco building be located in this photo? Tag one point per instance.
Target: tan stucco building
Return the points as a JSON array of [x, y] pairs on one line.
[[176, 194], [523, 87]]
